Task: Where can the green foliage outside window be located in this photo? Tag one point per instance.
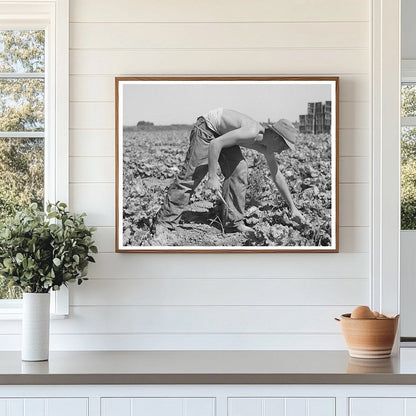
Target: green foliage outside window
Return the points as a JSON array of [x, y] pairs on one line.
[[408, 180], [408, 104], [21, 110], [408, 160]]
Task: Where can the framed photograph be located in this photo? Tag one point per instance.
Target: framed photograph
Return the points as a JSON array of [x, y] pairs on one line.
[[226, 164]]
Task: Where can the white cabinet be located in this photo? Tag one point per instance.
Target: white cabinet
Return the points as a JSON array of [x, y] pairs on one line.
[[160, 406], [382, 406], [44, 407], [271, 406], [208, 400]]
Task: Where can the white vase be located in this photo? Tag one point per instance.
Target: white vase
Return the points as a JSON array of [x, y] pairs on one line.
[[35, 326]]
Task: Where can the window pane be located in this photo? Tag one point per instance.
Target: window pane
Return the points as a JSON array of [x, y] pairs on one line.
[[21, 173], [7, 292], [22, 51], [21, 182], [408, 105], [22, 105], [408, 178], [21, 109]]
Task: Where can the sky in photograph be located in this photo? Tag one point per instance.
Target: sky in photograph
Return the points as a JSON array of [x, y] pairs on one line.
[[164, 104]]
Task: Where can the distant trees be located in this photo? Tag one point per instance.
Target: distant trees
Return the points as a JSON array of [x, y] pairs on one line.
[[21, 110], [144, 124], [408, 161], [408, 180]]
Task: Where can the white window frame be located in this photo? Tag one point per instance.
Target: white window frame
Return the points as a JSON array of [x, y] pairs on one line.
[[408, 75], [407, 236], [385, 96], [53, 17]]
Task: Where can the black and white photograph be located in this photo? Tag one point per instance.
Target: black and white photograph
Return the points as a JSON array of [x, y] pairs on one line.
[[232, 164]]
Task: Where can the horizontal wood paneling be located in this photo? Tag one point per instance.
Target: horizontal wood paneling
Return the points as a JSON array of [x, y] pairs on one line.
[[352, 239], [99, 88], [105, 239], [201, 319], [354, 205], [90, 169], [354, 142], [92, 88], [92, 115], [265, 265], [194, 320], [231, 61], [352, 115], [218, 11], [354, 170], [94, 143], [96, 199], [354, 87], [287, 297], [218, 35], [221, 291]]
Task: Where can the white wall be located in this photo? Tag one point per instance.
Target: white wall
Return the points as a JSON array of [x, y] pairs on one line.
[[218, 301]]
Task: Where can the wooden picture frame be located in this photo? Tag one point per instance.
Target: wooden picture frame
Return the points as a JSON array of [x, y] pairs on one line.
[[165, 128]]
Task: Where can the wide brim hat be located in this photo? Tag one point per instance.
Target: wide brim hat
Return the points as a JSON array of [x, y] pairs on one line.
[[287, 131]]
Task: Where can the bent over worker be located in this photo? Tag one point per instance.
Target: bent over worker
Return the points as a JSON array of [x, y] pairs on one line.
[[215, 140]]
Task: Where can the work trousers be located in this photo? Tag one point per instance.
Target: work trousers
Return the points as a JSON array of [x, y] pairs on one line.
[[233, 167]]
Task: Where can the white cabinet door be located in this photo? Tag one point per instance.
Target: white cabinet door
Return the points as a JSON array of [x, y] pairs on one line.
[[382, 406], [160, 406], [377, 407], [269, 406], [44, 407]]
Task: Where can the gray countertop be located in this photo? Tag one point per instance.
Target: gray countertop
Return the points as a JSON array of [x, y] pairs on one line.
[[207, 367]]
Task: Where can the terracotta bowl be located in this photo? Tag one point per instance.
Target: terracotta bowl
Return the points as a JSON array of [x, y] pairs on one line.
[[369, 338]]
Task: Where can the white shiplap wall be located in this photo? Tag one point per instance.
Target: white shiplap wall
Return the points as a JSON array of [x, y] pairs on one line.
[[218, 301]]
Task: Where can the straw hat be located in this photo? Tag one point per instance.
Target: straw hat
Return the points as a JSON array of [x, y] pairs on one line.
[[287, 131]]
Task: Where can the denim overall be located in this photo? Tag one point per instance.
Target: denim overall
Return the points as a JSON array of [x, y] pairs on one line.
[[233, 167]]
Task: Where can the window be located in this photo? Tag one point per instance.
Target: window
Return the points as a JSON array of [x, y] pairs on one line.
[[22, 124], [33, 112], [408, 154]]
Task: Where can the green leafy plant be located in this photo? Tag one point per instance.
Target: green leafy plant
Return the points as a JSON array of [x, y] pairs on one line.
[[43, 251]]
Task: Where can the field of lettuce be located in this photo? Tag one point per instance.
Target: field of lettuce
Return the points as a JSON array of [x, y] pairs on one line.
[[153, 156]]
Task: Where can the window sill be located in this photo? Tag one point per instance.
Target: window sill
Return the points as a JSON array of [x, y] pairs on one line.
[[12, 309]]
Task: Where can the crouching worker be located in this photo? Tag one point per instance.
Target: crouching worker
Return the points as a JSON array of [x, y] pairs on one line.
[[215, 140]]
